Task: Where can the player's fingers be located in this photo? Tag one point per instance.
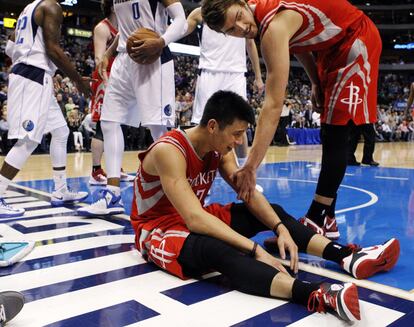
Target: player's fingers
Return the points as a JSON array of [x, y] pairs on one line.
[[280, 267], [282, 251]]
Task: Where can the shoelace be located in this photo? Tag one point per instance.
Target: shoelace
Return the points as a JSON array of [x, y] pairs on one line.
[[316, 302]]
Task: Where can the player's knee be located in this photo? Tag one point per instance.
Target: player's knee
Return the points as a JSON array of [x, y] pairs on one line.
[[60, 134]]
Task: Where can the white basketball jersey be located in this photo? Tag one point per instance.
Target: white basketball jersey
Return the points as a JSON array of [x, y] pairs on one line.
[[29, 46], [133, 14], [222, 53]]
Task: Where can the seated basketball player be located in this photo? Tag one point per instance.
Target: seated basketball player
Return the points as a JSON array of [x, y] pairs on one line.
[[175, 231], [32, 108]]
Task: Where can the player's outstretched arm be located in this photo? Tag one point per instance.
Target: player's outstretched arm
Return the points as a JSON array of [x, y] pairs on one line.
[[410, 100], [50, 18]]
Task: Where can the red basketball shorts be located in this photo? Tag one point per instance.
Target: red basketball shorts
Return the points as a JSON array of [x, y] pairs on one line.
[[162, 245], [349, 76]]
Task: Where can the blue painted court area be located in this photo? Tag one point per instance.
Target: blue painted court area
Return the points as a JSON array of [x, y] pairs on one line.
[[86, 272]]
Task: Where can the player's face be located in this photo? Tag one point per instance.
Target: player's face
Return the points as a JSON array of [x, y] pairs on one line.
[[231, 136], [240, 22]]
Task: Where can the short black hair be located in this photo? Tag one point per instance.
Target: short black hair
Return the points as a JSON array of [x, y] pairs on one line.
[[225, 107]]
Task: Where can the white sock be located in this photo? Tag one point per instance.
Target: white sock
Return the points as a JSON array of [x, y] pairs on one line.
[[114, 189], [4, 183], [59, 178]]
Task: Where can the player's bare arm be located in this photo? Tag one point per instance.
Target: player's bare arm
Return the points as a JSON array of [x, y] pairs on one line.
[[254, 58], [275, 52], [109, 53], [101, 34], [261, 209], [308, 62], [49, 16], [193, 19], [167, 162]]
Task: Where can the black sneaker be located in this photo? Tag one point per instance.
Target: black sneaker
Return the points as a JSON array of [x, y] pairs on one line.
[[11, 303]]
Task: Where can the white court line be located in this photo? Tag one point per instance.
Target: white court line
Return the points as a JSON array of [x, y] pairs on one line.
[[373, 200], [393, 178]]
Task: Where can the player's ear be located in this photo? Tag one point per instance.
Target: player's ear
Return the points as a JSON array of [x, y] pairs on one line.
[[212, 125]]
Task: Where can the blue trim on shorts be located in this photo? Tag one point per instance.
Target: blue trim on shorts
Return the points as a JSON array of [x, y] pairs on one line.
[[33, 73], [166, 55]]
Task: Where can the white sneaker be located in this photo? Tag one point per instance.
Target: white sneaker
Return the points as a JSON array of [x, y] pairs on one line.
[[126, 178], [7, 211], [98, 177], [107, 204], [64, 195]]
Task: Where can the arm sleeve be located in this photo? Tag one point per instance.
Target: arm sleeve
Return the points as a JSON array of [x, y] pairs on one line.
[[179, 25]]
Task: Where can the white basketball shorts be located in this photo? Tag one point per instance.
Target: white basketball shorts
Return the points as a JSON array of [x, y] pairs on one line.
[[32, 109], [209, 82], [140, 93]]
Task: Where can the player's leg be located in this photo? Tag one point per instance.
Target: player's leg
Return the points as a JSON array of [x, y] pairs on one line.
[[98, 176], [119, 102], [354, 135], [57, 126], [201, 253], [359, 262], [369, 144]]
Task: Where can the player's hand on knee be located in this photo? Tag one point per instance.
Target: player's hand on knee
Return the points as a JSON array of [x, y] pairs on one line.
[[285, 242], [259, 86], [263, 256]]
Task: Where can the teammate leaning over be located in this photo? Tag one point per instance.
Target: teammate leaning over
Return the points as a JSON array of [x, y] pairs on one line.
[[137, 94], [33, 109], [182, 236], [339, 48]]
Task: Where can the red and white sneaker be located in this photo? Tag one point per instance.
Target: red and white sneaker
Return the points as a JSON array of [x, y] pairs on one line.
[[365, 262], [331, 228], [98, 177], [341, 298], [312, 225]]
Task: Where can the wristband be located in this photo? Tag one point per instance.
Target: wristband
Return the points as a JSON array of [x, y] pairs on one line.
[[274, 229], [253, 251]]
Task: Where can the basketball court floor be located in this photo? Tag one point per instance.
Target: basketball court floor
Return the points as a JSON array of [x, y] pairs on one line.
[[86, 272]]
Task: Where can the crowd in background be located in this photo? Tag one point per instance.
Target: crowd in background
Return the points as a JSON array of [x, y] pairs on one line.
[[392, 95]]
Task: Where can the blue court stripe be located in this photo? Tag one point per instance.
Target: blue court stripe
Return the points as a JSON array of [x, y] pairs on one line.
[[65, 258], [121, 314], [77, 284], [200, 290], [280, 316], [43, 228]]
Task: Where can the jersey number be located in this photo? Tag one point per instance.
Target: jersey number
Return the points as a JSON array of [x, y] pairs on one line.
[[135, 10], [21, 25]]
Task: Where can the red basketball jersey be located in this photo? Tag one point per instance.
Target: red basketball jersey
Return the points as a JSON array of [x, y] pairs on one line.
[[324, 22], [98, 87], [151, 207]]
